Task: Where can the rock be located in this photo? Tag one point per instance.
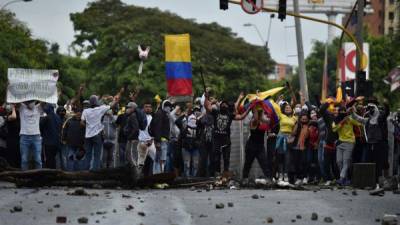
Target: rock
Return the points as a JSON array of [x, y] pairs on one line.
[[126, 196], [262, 196], [314, 216], [378, 192], [101, 212], [114, 211], [328, 220], [129, 207], [83, 220], [97, 221], [17, 208], [61, 219], [293, 221], [270, 220], [141, 201], [107, 192], [345, 193], [199, 191], [79, 192], [255, 196], [230, 204], [203, 216], [56, 206], [219, 206], [278, 202], [40, 202], [377, 220], [354, 193], [141, 214], [298, 217], [49, 210], [209, 199], [193, 188], [389, 219]]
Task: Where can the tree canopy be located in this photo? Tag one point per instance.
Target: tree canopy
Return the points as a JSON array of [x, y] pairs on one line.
[[108, 33]]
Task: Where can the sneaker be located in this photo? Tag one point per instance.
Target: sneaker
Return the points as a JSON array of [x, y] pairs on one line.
[[298, 182], [280, 177], [328, 183], [347, 182], [245, 182], [305, 180]]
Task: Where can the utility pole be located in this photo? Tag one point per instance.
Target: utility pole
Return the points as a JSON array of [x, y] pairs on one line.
[[300, 53], [360, 40]]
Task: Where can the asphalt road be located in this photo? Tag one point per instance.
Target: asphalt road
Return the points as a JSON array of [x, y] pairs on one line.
[[184, 207]]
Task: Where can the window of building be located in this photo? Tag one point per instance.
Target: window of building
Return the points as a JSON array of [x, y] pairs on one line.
[[391, 2], [391, 15]]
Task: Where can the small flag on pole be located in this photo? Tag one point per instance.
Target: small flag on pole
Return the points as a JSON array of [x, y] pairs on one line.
[[393, 79], [178, 65]]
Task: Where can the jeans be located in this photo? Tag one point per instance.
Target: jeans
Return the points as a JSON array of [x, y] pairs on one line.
[[161, 157], [74, 164], [190, 161], [30, 144], [169, 165], [321, 158], [312, 166], [93, 148], [344, 152]]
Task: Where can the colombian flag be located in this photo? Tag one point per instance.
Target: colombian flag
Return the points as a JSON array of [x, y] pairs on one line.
[[178, 66]]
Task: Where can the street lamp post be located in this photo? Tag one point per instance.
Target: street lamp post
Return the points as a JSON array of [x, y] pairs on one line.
[[258, 31], [14, 1]]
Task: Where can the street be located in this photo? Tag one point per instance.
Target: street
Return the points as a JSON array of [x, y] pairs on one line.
[[185, 206]]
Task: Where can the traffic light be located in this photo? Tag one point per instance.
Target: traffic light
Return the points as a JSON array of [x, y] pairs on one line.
[[282, 10], [223, 4]]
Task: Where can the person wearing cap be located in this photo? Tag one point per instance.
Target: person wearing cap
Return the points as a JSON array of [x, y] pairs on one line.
[[91, 118], [160, 130]]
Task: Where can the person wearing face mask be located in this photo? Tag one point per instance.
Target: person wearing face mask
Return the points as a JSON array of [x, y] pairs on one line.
[[223, 118], [50, 127], [187, 124], [160, 129], [344, 125], [30, 137]]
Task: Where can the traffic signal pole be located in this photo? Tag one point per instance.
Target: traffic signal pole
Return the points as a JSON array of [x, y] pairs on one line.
[[300, 53], [348, 33]]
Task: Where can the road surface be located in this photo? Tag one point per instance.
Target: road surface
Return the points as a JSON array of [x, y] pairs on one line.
[[185, 207]]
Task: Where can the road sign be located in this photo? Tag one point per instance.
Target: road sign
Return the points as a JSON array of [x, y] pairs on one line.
[[252, 6], [316, 6], [348, 61]]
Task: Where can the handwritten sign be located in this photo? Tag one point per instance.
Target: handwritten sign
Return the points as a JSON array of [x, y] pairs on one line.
[[31, 84]]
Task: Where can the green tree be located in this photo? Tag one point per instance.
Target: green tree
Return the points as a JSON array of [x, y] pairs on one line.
[[108, 32]]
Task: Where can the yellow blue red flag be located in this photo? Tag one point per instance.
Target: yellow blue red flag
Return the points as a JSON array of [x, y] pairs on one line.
[[178, 66]]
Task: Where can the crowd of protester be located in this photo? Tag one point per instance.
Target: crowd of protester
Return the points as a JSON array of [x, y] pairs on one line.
[[315, 144]]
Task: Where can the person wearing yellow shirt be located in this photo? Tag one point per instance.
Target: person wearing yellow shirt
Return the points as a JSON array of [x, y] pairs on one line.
[[287, 121], [344, 126]]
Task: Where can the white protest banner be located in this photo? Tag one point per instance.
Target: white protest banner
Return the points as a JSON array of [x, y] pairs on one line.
[[31, 84]]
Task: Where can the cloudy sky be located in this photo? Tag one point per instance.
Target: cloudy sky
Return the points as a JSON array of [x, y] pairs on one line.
[[49, 19]]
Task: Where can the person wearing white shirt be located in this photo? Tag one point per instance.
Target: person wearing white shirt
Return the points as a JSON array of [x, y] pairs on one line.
[[91, 118], [146, 148]]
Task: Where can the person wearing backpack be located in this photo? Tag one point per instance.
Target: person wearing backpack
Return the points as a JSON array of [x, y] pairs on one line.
[[109, 136]]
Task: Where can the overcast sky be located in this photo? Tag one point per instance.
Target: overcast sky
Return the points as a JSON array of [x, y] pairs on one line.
[[49, 19]]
